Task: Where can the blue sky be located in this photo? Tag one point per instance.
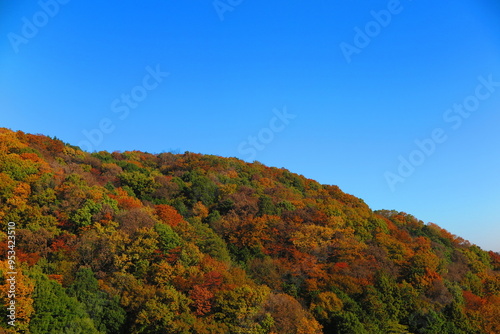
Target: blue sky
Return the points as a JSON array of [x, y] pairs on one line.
[[338, 91]]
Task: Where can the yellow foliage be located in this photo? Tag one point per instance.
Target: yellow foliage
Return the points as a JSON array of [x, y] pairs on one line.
[[326, 304], [23, 294]]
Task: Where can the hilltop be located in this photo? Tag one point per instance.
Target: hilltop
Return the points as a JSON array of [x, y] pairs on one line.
[[133, 242]]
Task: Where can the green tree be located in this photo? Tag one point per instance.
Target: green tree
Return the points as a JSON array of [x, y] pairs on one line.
[[240, 307], [266, 206], [427, 321], [200, 188], [168, 238], [55, 311], [105, 311], [83, 216], [348, 323], [209, 242], [141, 184], [167, 312]]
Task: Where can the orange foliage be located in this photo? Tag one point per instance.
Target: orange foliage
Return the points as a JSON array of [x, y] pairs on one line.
[[24, 288], [200, 210], [125, 201], [173, 255], [202, 299], [57, 278], [247, 232], [491, 315], [29, 258], [289, 316], [63, 243], [168, 215], [472, 301], [341, 265]]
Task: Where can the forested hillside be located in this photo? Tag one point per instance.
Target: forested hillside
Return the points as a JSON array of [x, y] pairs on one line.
[[132, 242]]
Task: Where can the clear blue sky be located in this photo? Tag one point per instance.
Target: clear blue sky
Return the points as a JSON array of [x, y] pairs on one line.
[[361, 81]]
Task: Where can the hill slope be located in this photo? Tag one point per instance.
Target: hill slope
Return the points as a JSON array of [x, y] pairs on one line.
[[139, 243]]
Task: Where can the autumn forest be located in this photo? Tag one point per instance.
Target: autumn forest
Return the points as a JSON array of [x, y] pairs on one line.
[[133, 242]]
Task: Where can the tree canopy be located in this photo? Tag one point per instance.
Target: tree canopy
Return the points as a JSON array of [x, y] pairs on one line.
[[132, 242]]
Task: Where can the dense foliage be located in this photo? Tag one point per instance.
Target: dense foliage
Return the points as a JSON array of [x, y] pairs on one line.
[[187, 243]]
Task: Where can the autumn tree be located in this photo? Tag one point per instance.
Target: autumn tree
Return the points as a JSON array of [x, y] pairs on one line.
[[55, 311], [104, 310]]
